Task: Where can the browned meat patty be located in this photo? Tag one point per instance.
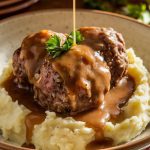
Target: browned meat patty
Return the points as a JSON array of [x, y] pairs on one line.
[[49, 87], [51, 92], [111, 46]]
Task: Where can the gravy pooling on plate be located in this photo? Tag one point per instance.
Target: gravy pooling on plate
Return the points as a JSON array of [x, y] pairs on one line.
[[95, 118], [88, 81]]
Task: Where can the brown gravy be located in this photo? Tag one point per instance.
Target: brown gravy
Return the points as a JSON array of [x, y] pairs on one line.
[[23, 96], [84, 72], [80, 68], [95, 118], [110, 108], [32, 119], [84, 69], [33, 51], [26, 98]]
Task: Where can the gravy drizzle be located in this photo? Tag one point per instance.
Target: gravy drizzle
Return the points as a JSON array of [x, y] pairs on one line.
[[82, 70], [116, 97], [32, 119], [25, 97]]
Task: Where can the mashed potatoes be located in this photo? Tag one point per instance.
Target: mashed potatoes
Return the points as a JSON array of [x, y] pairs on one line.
[[12, 115], [12, 119], [61, 134], [56, 133], [137, 110]]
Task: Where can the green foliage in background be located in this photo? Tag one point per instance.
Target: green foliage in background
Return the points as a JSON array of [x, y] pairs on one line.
[[139, 9]]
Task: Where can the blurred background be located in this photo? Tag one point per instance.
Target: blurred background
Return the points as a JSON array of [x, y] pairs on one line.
[[138, 9]]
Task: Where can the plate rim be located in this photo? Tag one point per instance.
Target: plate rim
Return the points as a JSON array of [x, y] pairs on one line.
[[5, 20], [132, 144]]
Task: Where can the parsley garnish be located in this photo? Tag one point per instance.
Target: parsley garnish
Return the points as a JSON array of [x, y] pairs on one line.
[[55, 49]]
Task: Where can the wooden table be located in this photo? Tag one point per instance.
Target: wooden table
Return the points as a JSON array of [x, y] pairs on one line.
[[48, 4]]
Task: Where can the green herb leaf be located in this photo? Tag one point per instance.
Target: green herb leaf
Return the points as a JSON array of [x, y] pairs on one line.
[[53, 42], [68, 43], [79, 37], [55, 49]]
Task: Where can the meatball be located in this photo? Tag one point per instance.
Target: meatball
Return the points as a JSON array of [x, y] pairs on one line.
[[111, 46]]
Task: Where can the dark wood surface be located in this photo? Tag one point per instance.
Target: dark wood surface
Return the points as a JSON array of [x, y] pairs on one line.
[[47, 4]]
